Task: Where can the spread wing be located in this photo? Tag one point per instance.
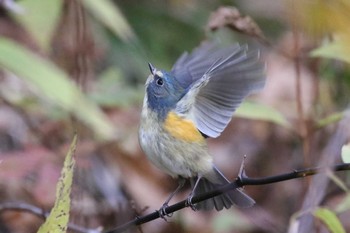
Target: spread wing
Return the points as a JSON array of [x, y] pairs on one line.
[[217, 80]]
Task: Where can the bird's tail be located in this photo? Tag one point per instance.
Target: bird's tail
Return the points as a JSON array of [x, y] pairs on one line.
[[236, 196]]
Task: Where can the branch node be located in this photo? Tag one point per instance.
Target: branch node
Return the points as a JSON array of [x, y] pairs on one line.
[[242, 174]]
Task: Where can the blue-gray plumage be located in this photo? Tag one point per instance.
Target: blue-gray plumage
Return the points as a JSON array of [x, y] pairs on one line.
[[197, 99], [162, 97]]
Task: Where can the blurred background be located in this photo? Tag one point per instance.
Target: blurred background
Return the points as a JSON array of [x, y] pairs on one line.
[[80, 66]]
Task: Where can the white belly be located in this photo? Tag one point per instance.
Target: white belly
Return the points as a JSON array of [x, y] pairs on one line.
[[175, 157]]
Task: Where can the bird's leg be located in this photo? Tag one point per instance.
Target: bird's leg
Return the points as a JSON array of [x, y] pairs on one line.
[[189, 198], [161, 211]]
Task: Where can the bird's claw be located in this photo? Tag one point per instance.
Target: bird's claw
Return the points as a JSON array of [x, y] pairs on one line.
[[190, 204], [162, 212]]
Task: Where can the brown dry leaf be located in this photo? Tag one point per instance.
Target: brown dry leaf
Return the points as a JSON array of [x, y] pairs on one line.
[[232, 18]]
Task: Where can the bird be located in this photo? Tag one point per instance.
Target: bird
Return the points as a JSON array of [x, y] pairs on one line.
[[194, 101]]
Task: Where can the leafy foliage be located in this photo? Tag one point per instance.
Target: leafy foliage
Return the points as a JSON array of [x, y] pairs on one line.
[[40, 26], [53, 84], [110, 15], [258, 111], [321, 17]]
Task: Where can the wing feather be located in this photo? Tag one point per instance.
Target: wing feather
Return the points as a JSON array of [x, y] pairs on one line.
[[218, 80]]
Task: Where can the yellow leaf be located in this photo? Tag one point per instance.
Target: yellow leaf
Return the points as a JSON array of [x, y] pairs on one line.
[[57, 222]]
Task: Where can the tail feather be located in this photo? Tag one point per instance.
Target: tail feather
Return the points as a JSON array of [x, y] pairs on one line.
[[226, 200]]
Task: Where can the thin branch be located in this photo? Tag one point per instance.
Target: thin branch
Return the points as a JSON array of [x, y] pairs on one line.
[[241, 181], [15, 206], [304, 130]]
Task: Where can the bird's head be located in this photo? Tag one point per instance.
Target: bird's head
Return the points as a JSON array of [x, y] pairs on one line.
[[163, 91]]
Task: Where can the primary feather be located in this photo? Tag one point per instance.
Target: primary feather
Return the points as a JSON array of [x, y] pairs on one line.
[[217, 81]]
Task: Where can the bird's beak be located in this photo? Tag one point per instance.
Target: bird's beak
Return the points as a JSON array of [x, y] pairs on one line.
[[152, 68]]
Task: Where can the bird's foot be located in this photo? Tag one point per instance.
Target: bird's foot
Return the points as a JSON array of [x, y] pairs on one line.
[[162, 212], [189, 202]]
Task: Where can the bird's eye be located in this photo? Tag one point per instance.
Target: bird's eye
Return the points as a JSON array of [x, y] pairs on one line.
[[159, 81]]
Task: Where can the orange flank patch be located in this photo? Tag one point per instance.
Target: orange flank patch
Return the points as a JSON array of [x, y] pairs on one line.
[[182, 129]]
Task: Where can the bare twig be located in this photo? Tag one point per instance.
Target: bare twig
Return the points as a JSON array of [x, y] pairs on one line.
[[241, 181], [24, 207], [304, 131]]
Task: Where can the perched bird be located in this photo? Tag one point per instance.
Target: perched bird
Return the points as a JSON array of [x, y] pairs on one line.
[[193, 101]]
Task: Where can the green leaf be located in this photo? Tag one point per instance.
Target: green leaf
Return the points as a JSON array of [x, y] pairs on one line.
[[54, 85], [110, 15], [261, 112], [333, 118], [57, 222], [329, 218], [40, 18], [338, 49], [345, 153]]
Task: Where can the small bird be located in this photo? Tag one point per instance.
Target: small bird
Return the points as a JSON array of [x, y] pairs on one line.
[[192, 102]]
